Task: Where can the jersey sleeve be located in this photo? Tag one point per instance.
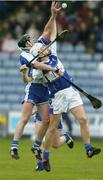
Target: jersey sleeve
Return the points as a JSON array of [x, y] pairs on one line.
[[25, 58], [43, 41], [23, 61]]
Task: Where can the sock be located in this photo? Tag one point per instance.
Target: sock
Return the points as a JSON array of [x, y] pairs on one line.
[[40, 165], [15, 144], [66, 136], [88, 147], [37, 143], [46, 155]]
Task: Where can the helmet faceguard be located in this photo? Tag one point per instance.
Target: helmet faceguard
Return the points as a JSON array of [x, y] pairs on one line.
[[37, 48]]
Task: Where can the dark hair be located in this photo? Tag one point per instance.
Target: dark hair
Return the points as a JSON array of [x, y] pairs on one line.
[[23, 40]]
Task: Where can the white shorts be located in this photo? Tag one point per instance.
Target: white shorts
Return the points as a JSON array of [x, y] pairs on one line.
[[66, 99]]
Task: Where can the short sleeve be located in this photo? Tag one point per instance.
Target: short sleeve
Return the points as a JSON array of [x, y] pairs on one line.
[[43, 40]]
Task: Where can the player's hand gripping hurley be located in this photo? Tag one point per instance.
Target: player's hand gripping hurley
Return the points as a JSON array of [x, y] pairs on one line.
[[96, 103]]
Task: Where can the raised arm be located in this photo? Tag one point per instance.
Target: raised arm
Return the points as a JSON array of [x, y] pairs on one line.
[[50, 30]]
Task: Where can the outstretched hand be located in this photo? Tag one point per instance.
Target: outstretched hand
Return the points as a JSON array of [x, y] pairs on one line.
[[55, 9]]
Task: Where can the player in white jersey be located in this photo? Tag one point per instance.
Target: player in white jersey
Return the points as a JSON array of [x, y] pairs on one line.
[[36, 92], [63, 97]]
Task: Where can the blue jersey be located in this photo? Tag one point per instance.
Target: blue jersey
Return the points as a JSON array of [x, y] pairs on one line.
[[26, 56], [36, 93], [55, 83], [58, 83]]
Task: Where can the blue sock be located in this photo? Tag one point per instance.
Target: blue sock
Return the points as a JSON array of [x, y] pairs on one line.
[[66, 135], [15, 144], [46, 155], [37, 143], [88, 147], [40, 165]]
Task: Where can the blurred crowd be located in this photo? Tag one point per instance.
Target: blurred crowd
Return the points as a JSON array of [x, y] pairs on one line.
[[84, 18]]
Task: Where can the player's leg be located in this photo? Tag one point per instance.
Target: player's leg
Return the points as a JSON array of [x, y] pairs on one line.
[[37, 126], [26, 113], [54, 120], [76, 107], [58, 108], [59, 137], [81, 116], [43, 109], [57, 140]]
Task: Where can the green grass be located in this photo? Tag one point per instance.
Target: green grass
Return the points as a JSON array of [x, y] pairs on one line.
[[66, 164]]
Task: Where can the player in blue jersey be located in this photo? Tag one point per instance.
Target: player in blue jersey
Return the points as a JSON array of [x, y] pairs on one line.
[[35, 92], [63, 97]]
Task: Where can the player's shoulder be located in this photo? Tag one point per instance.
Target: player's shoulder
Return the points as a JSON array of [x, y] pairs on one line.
[[25, 57], [43, 40]]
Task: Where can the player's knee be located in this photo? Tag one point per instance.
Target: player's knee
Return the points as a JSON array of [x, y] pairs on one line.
[[46, 119], [25, 120], [52, 129], [83, 121], [45, 123]]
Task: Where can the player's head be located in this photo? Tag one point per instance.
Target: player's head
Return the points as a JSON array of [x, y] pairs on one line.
[[37, 48], [25, 42]]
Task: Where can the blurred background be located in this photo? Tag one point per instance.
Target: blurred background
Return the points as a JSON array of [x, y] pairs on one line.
[[81, 52]]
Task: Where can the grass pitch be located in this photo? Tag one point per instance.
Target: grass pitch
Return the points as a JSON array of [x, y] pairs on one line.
[[66, 164]]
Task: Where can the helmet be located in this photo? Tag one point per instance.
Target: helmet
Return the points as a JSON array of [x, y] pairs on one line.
[[36, 48]]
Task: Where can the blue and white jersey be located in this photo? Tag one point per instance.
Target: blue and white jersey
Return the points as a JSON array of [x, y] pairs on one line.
[[36, 92], [55, 82], [26, 57]]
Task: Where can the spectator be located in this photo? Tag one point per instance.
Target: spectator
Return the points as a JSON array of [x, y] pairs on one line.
[[84, 10], [61, 21], [83, 32], [101, 15], [9, 44], [32, 31], [91, 44], [72, 36], [99, 45], [18, 31], [86, 17]]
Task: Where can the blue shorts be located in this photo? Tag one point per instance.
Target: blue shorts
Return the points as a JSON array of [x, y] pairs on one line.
[[37, 118], [36, 93]]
